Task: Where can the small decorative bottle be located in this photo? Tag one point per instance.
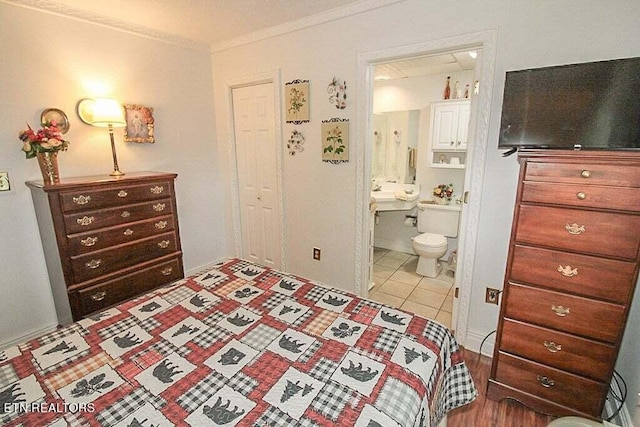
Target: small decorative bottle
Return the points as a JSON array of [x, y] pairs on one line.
[[457, 90], [466, 92], [447, 89]]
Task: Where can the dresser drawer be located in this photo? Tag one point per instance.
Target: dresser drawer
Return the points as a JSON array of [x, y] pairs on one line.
[[95, 264], [584, 173], [99, 239], [593, 196], [599, 233], [561, 387], [112, 292], [576, 315], [563, 351], [92, 220], [82, 200], [585, 275]]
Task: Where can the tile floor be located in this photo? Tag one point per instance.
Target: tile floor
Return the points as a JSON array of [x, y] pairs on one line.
[[398, 285]]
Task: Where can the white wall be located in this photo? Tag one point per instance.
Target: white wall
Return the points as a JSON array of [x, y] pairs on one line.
[[320, 198], [51, 61]]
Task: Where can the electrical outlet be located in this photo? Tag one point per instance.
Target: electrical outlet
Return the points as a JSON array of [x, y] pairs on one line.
[[491, 296], [316, 254], [5, 184]]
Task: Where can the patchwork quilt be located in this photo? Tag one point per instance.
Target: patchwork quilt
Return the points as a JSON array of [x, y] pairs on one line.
[[241, 345]]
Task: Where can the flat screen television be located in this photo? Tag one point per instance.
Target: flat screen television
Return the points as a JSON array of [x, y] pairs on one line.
[[589, 106]]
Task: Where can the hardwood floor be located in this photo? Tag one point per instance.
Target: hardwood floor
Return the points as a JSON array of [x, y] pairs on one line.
[[488, 413]]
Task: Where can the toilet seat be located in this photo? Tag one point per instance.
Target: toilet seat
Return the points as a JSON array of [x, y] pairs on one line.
[[430, 240]]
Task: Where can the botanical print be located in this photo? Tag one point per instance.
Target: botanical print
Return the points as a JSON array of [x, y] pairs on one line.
[[297, 101], [338, 92], [140, 123], [295, 142], [335, 140]]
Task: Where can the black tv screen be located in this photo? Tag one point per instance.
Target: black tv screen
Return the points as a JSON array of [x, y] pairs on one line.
[[593, 105]]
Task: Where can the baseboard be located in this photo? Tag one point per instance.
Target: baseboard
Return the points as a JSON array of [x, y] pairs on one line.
[[474, 339], [35, 334]]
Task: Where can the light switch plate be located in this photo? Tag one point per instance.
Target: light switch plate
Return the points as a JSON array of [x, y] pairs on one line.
[[5, 184]]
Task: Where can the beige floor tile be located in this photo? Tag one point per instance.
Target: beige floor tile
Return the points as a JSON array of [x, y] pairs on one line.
[[410, 265], [382, 271], [397, 289], [398, 255], [406, 277], [435, 285], [444, 318], [447, 305], [422, 310], [387, 299], [389, 262], [427, 297]]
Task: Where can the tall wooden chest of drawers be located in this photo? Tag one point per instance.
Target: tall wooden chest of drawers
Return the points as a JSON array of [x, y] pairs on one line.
[[107, 239], [571, 272]]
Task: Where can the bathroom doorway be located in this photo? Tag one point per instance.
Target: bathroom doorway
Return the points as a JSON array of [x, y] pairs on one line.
[[471, 177]]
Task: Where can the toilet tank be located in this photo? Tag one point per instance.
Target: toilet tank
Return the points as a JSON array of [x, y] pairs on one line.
[[438, 219]]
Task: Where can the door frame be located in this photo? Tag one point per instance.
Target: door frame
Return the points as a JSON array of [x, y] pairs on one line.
[[274, 78], [485, 40]]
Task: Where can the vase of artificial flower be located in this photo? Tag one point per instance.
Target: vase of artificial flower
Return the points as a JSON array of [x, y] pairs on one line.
[[44, 144], [442, 194]]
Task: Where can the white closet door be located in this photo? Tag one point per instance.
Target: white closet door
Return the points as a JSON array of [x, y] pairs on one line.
[[256, 151]]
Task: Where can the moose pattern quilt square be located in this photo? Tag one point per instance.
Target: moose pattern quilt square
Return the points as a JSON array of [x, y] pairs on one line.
[[238, 345]]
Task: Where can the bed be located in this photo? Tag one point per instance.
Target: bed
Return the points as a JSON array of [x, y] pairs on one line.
[[239, 344]]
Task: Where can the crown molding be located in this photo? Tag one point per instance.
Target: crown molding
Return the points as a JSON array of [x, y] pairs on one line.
[[116, 24], [300, 24]]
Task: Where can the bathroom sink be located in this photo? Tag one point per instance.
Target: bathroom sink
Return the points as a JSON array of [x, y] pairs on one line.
[[396, 197]]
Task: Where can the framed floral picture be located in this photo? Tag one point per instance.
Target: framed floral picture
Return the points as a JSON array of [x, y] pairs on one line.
[[297, 101], [335, 140], [140, 123]]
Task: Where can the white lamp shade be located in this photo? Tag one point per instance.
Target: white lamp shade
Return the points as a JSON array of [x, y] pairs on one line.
[[107, 111]]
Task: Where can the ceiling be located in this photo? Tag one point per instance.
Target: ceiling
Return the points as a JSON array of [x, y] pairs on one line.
[[217, 24]]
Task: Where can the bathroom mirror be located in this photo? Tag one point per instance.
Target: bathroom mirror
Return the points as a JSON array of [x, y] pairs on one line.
[[395, 141]]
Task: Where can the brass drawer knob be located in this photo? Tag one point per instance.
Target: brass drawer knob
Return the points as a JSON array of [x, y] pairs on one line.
[[157, 189], [85, 220], [568, 271], [585, 173], [164, 244], [160, 225], [167, 271], [94, 263], [122, 194], [546, 381], [125, 214], [159, 207], [99, 296], [128, 232], [580, 195], [552, 347], [575, 229], [560, 310], [89, 241], [81, 200]]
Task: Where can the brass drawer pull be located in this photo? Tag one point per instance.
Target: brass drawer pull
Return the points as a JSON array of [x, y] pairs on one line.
[[560, 310], [128, 232], [167, 271], [159, 207], [580, 195], [125, 214], [85, 220], [99, 296], [122, 193], [160, 225], [157, 189], [94, 263], [552, 347], [89, 241], [546, 381], [567, 271], [81, 200], [164, 244], [575, 229], [585, 173]]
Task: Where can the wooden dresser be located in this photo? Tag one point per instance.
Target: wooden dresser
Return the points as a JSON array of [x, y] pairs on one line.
[[107, 239], [571, 272]]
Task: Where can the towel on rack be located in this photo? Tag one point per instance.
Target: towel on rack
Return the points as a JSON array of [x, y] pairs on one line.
[[413, 155]]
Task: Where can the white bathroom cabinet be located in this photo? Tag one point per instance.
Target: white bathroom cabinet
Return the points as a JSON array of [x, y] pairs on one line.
[[448, 133]]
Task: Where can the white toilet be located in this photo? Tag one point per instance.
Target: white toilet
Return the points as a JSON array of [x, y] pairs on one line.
[[436, 223]]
